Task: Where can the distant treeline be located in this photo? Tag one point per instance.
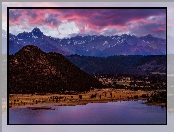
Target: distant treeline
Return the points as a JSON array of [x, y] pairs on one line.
[[120, 64]]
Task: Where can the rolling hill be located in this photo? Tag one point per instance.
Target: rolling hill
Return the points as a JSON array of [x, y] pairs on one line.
[[33, 71]]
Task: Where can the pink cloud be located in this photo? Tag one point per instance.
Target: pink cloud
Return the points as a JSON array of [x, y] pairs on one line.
[[159, 29], [87, 20]]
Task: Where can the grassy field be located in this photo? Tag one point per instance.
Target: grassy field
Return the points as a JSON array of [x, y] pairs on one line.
[[97, 95], [123, 83]]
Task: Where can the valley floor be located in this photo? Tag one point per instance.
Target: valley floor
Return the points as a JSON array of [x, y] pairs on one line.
[[93, 96]]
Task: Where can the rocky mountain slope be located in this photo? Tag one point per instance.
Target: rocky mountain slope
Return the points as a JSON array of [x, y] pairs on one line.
[[33, 71]]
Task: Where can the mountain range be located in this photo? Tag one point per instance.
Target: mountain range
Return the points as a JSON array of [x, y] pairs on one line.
[[121, 64], [94, 45], [33, 71]]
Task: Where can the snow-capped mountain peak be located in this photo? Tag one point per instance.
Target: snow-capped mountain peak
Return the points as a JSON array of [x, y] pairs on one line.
[[93, 45]]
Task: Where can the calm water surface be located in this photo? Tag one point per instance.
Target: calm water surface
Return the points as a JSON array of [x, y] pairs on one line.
[[124, 112]]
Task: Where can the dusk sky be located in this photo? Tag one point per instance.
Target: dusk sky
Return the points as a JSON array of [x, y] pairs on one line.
[[101, 128], [62, 23]]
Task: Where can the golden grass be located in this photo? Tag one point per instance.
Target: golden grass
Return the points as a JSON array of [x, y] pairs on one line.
[[21, 100]]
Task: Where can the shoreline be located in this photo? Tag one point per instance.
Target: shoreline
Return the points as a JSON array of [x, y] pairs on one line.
[[81, 102], [45, 105], [156, 104], [93, 96]]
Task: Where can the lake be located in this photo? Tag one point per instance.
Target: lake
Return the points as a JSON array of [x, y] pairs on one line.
[[124, 112]]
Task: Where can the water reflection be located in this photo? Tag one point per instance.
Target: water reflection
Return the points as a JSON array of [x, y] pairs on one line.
[[124, 112]]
